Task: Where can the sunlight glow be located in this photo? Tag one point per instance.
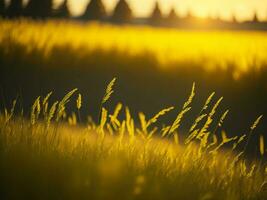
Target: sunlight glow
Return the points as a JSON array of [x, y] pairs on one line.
[[243, 9], [211, 48]]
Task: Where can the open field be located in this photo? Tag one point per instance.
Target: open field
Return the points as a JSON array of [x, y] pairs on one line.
[[49, 156], [204, 148], [169, 47], [38, 57]]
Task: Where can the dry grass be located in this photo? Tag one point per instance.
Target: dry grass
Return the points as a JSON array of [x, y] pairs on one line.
[[119, 158], [211, 48]]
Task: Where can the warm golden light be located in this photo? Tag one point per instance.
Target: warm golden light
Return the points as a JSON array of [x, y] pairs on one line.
[[243, 9], [211, 48]]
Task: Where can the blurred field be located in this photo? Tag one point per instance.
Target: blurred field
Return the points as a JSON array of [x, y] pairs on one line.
[[211, 148], [40, 56], [212, 49], [49, 155]]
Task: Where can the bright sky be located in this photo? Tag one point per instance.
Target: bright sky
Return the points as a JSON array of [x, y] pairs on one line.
[[243, 9]]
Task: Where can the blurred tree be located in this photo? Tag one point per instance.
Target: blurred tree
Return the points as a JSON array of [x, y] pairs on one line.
[[172, 15], [63, 10], [39, 8], [32, 8], [15, 9], [217, 18], [234, 19], [255, 18], [156, 16], [2, 8], [189, 15], [122, 12], [95, 10]]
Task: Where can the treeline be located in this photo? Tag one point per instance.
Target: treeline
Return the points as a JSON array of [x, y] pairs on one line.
[[95, 10], [122, 13], [43, 9], [36, 9]]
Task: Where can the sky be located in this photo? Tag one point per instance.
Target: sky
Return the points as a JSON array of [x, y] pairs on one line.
[[243, 9]]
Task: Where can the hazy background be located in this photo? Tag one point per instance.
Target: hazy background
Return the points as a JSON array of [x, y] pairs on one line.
[[155, 65], [243, 9]]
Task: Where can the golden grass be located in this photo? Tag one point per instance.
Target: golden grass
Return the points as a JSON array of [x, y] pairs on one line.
[[211, 48], [120, 159]]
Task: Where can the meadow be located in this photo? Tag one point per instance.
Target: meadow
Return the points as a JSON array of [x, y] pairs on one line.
[[154, 65], [50, 155], [37, 57], [213, 49], [84, 144]]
